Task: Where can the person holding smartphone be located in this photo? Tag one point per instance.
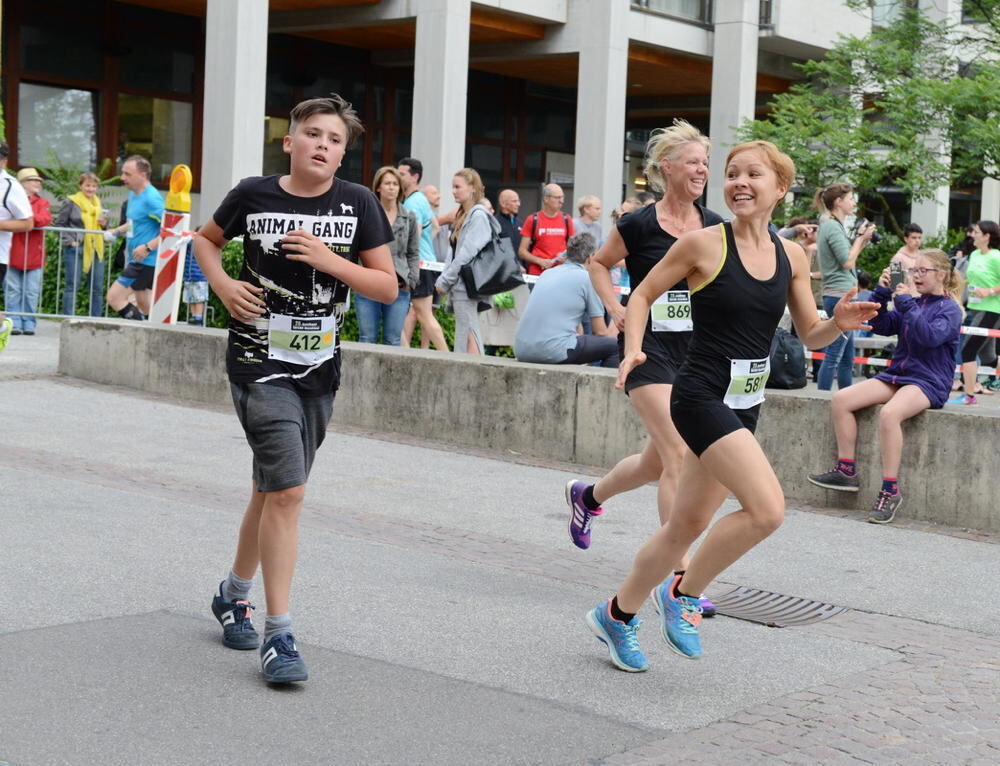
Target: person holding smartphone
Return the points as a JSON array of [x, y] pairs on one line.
[[927, 318], [837, 259]]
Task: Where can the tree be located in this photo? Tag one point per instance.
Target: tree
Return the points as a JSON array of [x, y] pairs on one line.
[[914, 105]]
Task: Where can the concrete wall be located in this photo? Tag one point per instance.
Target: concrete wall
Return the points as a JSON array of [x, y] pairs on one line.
[[559, 413]]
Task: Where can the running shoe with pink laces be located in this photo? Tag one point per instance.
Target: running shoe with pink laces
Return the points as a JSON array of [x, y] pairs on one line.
[[580, 516]]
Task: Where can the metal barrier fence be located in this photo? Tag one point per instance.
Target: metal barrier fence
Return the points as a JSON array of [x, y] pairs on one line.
[[64, 289]]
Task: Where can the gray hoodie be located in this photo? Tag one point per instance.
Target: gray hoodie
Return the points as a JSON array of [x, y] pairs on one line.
[[476, 231]]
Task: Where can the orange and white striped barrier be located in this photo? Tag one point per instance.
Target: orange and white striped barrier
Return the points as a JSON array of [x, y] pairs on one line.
[[878, 361], [174, 238]]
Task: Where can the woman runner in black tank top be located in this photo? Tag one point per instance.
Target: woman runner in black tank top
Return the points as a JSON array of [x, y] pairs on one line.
[[736, 274], [678, 164], [734, 319]]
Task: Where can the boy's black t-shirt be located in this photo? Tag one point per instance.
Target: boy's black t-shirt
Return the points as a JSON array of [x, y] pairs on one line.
[[296, 342]]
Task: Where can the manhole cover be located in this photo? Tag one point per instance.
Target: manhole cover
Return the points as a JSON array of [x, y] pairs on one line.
[[773, 609]]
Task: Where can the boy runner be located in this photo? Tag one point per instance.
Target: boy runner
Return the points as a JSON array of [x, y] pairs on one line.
[[309, 238]]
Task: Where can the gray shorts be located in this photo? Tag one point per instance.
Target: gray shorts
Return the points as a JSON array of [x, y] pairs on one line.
[[283, 429]]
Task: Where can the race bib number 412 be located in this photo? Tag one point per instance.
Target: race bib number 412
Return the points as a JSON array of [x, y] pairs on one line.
[[301, 340]]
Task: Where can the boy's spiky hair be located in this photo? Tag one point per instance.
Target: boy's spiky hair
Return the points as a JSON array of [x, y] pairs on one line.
[[332, 104]]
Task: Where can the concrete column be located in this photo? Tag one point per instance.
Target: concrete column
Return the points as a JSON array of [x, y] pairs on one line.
[[734, 85], [440, 81], [235, 72], [932, 214], [600, 102], [990, 208]]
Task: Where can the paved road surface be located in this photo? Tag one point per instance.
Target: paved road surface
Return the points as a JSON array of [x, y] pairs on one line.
[[439, 606]]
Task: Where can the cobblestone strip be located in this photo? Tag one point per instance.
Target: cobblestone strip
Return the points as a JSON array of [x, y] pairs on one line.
[[939, 703]]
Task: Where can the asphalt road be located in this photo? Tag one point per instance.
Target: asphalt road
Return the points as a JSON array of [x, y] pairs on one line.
[[438, 604]]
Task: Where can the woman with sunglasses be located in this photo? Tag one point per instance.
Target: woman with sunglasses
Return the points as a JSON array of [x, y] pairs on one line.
[[926, 319]]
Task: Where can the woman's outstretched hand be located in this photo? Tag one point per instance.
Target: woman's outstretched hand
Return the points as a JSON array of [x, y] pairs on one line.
[[850, 314]]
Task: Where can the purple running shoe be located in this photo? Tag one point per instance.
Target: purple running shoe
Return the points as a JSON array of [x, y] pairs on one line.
[[580, 517]]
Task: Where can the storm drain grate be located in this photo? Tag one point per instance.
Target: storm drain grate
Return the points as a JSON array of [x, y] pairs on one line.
[[773, 609]]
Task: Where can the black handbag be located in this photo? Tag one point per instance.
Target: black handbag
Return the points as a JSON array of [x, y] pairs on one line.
[[492, 270], [788, 361]]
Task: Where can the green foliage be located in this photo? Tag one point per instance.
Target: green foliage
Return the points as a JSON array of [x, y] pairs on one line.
[[62, 179], [871, 111], [876, 257]]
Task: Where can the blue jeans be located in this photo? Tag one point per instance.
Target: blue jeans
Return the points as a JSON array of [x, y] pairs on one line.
[[21, 290], [839, 355], [373, 315], [72, 256]]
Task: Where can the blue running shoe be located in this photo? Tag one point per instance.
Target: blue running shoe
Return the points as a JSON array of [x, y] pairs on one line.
[[619, 638], [280, 660], [234, 617], [679, 619], [580, 517]]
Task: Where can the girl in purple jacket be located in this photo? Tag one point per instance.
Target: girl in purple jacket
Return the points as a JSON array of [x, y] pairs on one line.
[[926, 319]]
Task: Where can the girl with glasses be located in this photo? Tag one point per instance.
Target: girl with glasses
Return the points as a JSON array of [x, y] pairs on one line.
[[927, 320]]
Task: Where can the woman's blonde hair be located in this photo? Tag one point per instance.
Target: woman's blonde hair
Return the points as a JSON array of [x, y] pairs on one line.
[[954, 282], [471, 177], [382, 172], [781, 163], [666, 143], [88, 176]]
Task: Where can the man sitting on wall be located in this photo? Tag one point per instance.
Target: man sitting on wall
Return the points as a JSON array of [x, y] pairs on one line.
[[549, 330]]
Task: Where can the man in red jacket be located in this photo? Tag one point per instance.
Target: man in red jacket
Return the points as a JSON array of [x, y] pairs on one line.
[[23, 284]]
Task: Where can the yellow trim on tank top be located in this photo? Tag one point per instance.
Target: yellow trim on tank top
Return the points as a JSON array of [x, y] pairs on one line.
[[722, 261]]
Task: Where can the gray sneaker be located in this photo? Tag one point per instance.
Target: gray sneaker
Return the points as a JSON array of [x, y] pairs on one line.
[[885, 507], [835, 480]]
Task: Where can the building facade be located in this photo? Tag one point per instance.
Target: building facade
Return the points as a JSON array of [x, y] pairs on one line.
[[525, 91]]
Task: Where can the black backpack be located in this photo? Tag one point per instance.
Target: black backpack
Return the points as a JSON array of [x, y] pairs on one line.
[[788, 361]]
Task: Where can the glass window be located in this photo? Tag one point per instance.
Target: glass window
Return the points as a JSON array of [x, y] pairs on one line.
[[378, 101], [345, 87], [488, 162], [402, 144], [58, 42], [155, 128], [551, 123], [533, 167], [278, 92], [377, 159], [275, 159], [352, 168], [696, 10], [58, 121], [404, 106], [169, 70]]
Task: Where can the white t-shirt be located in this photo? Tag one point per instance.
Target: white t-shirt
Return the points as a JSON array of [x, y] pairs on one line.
[[14, 205]]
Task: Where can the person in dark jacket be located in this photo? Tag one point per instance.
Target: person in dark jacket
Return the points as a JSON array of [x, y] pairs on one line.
[[927, 320]]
